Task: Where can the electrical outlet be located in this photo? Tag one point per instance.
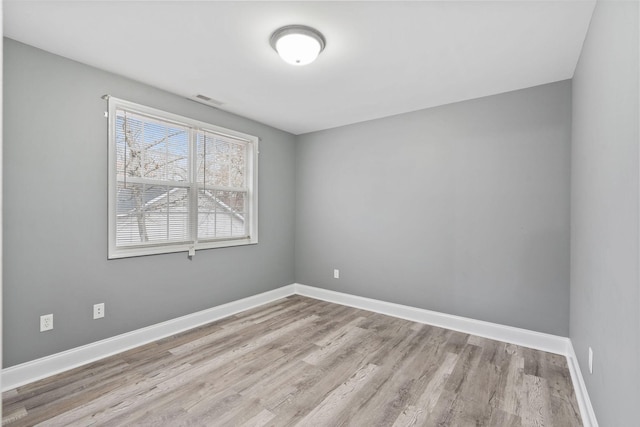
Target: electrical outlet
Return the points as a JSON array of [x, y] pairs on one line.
[[98, 310], [336, 274], [590, 360], [46, 322]]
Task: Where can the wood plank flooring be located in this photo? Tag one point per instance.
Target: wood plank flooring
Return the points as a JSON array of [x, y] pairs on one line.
[[304, 362]]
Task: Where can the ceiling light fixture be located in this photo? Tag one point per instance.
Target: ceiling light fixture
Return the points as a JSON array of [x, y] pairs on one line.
[[297, 44]]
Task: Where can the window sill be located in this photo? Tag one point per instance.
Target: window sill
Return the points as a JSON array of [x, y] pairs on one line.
[[118, 253]]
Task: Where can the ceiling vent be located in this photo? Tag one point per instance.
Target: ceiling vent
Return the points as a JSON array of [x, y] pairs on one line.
[[203, 99]]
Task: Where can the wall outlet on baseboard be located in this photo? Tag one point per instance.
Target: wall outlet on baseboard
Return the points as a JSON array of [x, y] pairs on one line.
[[590, 360], [46, 322], [98, 310], [336, 273]]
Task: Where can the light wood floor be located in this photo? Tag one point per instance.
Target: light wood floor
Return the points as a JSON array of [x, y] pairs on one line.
[[305, 362]]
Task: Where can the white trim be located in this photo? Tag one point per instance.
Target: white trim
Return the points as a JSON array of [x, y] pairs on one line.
[[510, 334], [580, 388], [34, 370]]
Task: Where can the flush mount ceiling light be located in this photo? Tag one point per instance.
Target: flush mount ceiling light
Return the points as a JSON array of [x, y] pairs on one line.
[[297, 44]]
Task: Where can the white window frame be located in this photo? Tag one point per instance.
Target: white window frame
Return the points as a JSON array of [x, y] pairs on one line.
[[194, 126]]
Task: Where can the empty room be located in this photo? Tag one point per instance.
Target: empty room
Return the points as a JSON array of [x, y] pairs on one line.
[[385, 213]]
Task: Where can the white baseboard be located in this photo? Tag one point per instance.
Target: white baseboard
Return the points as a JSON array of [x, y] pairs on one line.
[[582, 396], [523, 337], [34, 370]]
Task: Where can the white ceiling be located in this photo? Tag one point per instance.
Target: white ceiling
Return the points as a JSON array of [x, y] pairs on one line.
[[381, 59]]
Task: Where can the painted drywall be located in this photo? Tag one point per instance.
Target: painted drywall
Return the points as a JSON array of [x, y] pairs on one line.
[[1, 198], [605, 295], [462, 209], [55, 214]]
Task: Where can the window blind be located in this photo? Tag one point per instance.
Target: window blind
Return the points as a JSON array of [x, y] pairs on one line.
[[178, 183]]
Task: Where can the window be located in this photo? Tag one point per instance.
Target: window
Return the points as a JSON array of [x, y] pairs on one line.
[[177, 184]]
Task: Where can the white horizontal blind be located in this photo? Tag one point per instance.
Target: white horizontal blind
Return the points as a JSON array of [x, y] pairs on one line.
[[222, 187], [152, 203], [177, 184]]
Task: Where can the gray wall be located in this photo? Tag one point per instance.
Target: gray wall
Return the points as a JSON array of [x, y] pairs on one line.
[[462, 209], [55, 214], [605, 296]]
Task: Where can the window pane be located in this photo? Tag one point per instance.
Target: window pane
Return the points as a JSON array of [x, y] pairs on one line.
[[221, 214], [221, 161], [151, 214], [148, 148]]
